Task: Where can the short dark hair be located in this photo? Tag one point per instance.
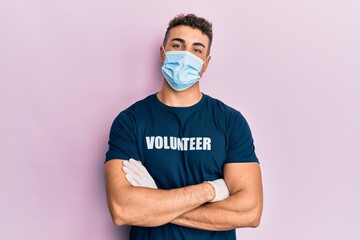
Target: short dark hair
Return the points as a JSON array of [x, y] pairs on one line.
[[193, 21]]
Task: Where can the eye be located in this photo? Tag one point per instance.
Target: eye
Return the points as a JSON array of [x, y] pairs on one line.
[[177, 46], [197, 50]]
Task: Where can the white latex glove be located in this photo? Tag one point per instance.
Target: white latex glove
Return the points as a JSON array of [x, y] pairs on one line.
[[221, 190], [137, 175]]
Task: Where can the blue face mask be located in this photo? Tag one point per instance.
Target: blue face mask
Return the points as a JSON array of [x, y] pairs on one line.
[[181, 69]]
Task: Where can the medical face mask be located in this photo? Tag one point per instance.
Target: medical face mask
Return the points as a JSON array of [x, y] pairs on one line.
[[181, 69]]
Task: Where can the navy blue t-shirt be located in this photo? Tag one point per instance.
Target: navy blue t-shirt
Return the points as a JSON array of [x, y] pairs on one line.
[[181, 146]]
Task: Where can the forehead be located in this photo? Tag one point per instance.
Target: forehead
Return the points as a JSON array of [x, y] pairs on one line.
[[189, 34]]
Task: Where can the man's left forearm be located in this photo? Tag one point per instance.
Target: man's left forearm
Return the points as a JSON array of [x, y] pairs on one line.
[[239, 210]]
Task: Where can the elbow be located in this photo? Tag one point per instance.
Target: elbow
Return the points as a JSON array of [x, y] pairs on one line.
[[254, 223], [255, 218], [250, 219], [121, 216], [118, 221], [118, 216]]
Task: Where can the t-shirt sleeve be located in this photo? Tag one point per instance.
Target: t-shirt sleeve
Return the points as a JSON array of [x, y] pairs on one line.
[[240, 142], [122, 139]]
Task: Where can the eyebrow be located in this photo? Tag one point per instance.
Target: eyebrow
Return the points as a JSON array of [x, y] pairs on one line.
[[183, 41]]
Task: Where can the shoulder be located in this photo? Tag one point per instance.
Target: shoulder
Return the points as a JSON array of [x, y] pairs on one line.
[[139, 106], [136, 110], [231, 119], [223, 109]]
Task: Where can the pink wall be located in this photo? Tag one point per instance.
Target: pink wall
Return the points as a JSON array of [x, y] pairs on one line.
[[67, 68]]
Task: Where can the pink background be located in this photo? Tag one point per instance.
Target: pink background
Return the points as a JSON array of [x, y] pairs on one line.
[[67, 68]]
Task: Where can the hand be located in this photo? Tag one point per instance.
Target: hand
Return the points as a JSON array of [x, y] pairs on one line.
[[137, 175], [221, 190]]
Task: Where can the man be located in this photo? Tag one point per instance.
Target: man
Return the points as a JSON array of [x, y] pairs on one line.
[[196, 175]]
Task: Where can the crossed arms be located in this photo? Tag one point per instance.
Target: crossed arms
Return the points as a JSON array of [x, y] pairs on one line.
[[187, 206]]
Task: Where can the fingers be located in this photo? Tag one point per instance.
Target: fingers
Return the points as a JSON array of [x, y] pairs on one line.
[[221, 189], [131, 180], [134, 166], [139, 166], [138, 174], [138, 179]]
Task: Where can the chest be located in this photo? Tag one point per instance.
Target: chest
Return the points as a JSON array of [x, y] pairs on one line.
[[181, 153]]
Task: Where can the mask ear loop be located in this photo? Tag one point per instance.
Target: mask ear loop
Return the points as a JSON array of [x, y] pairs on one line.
[[163, 52], [205, 62], [163, 49], [206, 59]]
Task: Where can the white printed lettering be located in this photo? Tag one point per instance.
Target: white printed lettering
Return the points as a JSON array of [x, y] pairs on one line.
[[185, 143], [150, 142], [192, 143], [159, 142], [173, 142], [166, 143], [198, 143], [207, 143], [180, 144]]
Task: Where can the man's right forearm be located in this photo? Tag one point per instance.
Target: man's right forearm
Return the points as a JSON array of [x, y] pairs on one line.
[[154, 207]]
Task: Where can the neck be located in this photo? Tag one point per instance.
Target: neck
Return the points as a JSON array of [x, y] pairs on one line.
[[185, 98]]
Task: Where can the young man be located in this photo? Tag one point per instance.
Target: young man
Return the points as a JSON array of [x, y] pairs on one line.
[[196, 175]]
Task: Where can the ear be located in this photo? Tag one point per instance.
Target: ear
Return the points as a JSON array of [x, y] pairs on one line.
[[162, 55], [205, 65]]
